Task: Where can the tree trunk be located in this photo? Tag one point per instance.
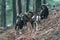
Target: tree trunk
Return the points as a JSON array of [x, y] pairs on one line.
[[14, 12], [24, 6], [19, 6], [27, 5], [34, 6], [3, 13], [44, 1], [38, 5]]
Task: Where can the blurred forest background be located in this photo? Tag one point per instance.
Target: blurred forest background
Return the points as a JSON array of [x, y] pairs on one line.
[[9, 9], [49, 28]]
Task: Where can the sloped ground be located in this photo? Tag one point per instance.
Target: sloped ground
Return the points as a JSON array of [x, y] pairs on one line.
[[49, 30]]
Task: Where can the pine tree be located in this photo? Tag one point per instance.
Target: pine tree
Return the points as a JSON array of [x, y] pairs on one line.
[[27, 5], [38, 5], [44, 1], [3, 13], [19, 6], [14, 12]]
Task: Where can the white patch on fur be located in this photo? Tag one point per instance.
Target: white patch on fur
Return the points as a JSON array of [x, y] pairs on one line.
[[38, 18], [16, 20], [33, 17]]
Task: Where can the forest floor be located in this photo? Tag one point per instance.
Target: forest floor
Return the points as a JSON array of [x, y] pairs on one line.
[[49, 30]]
